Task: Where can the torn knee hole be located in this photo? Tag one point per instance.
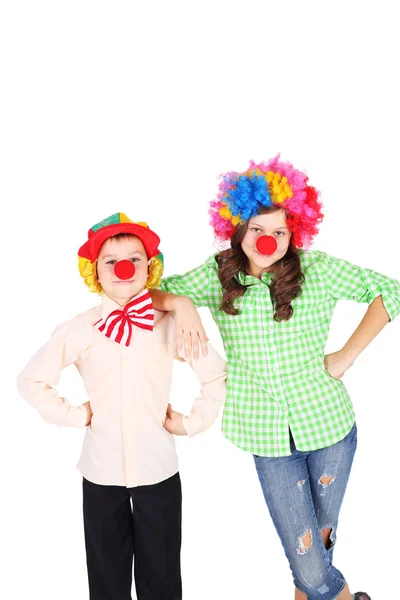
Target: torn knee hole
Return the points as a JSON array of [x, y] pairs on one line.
[[326, 535], [326, 480], [305, 542]]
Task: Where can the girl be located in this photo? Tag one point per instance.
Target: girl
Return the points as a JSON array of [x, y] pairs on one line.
[[273, 302]]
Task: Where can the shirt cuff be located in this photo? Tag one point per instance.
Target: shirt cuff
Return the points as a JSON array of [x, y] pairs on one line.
[[77, 416], [392, 306], [192, 424]]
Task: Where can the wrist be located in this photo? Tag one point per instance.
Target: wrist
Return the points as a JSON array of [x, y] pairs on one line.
[[348, 356], [181, 303], [183, 425]]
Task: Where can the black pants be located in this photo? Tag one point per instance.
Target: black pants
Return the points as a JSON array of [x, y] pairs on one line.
[[151, 532]]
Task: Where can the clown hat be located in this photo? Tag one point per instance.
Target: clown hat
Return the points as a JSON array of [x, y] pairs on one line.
[[118, 223]]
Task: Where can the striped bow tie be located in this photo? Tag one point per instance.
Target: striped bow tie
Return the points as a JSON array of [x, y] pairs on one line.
[[118, 325]]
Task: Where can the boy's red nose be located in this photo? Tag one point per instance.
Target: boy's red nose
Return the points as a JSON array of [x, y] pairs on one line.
[[266, 244], [124, 269]]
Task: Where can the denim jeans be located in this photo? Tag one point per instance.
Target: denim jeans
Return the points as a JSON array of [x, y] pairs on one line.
[[301, 505]]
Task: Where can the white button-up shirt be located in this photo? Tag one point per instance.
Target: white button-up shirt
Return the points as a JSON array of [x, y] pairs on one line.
[[128, 387]]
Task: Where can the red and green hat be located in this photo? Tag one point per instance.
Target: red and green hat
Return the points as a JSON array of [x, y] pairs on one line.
[[118, 223]]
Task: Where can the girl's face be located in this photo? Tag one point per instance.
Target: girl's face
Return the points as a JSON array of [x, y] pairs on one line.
[[273, 224], [114, 250]]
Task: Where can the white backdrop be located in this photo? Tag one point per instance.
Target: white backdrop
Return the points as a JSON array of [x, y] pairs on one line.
[[137, 107]]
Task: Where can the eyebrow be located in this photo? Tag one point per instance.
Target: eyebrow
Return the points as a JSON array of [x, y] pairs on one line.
[[262, 226], [130, 253]]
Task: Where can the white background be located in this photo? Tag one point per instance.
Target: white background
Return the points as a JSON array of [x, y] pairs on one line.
[[137, 107]]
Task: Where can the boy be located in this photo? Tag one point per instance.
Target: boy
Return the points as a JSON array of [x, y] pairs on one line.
[[124, 350]]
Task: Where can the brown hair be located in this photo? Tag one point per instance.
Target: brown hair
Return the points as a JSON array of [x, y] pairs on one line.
[[285, 286]]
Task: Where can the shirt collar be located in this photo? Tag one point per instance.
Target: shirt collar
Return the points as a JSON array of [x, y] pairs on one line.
[[108, 305], [246, 279]]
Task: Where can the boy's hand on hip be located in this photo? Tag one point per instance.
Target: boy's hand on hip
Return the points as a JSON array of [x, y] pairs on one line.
[[89, 412], [173, 422]]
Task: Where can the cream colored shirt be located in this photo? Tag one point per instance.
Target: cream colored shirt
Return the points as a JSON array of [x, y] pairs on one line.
[[128, 387]]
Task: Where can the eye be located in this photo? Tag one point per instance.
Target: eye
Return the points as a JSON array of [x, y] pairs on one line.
[[255, 229], [111, 262], [135, 259], [279, 233]]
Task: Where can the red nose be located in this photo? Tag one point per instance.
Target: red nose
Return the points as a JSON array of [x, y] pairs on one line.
[[266, 244], [124, 269]]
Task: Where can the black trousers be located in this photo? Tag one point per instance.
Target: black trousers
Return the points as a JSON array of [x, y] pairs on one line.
[[149, 530]]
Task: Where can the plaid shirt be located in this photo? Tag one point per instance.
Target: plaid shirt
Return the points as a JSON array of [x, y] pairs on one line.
[[276, 373]]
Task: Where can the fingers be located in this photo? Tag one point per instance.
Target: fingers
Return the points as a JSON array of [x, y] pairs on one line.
[[187, 343], [203, 341], [178, 338], [195, 345], [167, 414], [189, 336], [199, 338], [192, 340]]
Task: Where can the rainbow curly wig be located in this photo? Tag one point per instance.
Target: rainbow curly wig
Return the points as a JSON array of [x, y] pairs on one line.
[[267, 184], [116, 225]]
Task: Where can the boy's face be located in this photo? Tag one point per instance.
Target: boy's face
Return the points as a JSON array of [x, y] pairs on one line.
[[111, 252], [273, 224]]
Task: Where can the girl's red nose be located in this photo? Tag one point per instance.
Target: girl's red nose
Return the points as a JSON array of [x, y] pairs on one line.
[[124, 269], [266, 244]]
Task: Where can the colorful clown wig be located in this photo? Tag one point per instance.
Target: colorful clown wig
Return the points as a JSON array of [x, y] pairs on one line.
[[115, 225], [271, 183]]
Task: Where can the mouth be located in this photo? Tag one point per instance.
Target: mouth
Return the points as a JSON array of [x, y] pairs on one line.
[[263, 255], [124, 281]]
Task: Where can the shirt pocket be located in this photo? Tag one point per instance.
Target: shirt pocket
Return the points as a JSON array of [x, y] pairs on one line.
[[247, 311], [245, 303]]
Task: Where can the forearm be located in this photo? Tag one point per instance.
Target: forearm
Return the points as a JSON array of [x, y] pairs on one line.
[[372, 323], [211, 371], [167, 302], [52, 408], [204, 411], [38, 380]]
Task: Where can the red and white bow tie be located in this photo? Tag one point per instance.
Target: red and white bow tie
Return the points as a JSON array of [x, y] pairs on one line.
[[118, 325]]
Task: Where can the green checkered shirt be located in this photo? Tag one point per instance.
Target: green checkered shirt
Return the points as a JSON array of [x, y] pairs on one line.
[[276, 374]]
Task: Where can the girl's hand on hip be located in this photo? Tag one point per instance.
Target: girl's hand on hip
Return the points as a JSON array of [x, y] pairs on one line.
[[189, 329], [337, 364]]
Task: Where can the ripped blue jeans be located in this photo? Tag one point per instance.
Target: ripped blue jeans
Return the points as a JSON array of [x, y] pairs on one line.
[[304, 493]]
